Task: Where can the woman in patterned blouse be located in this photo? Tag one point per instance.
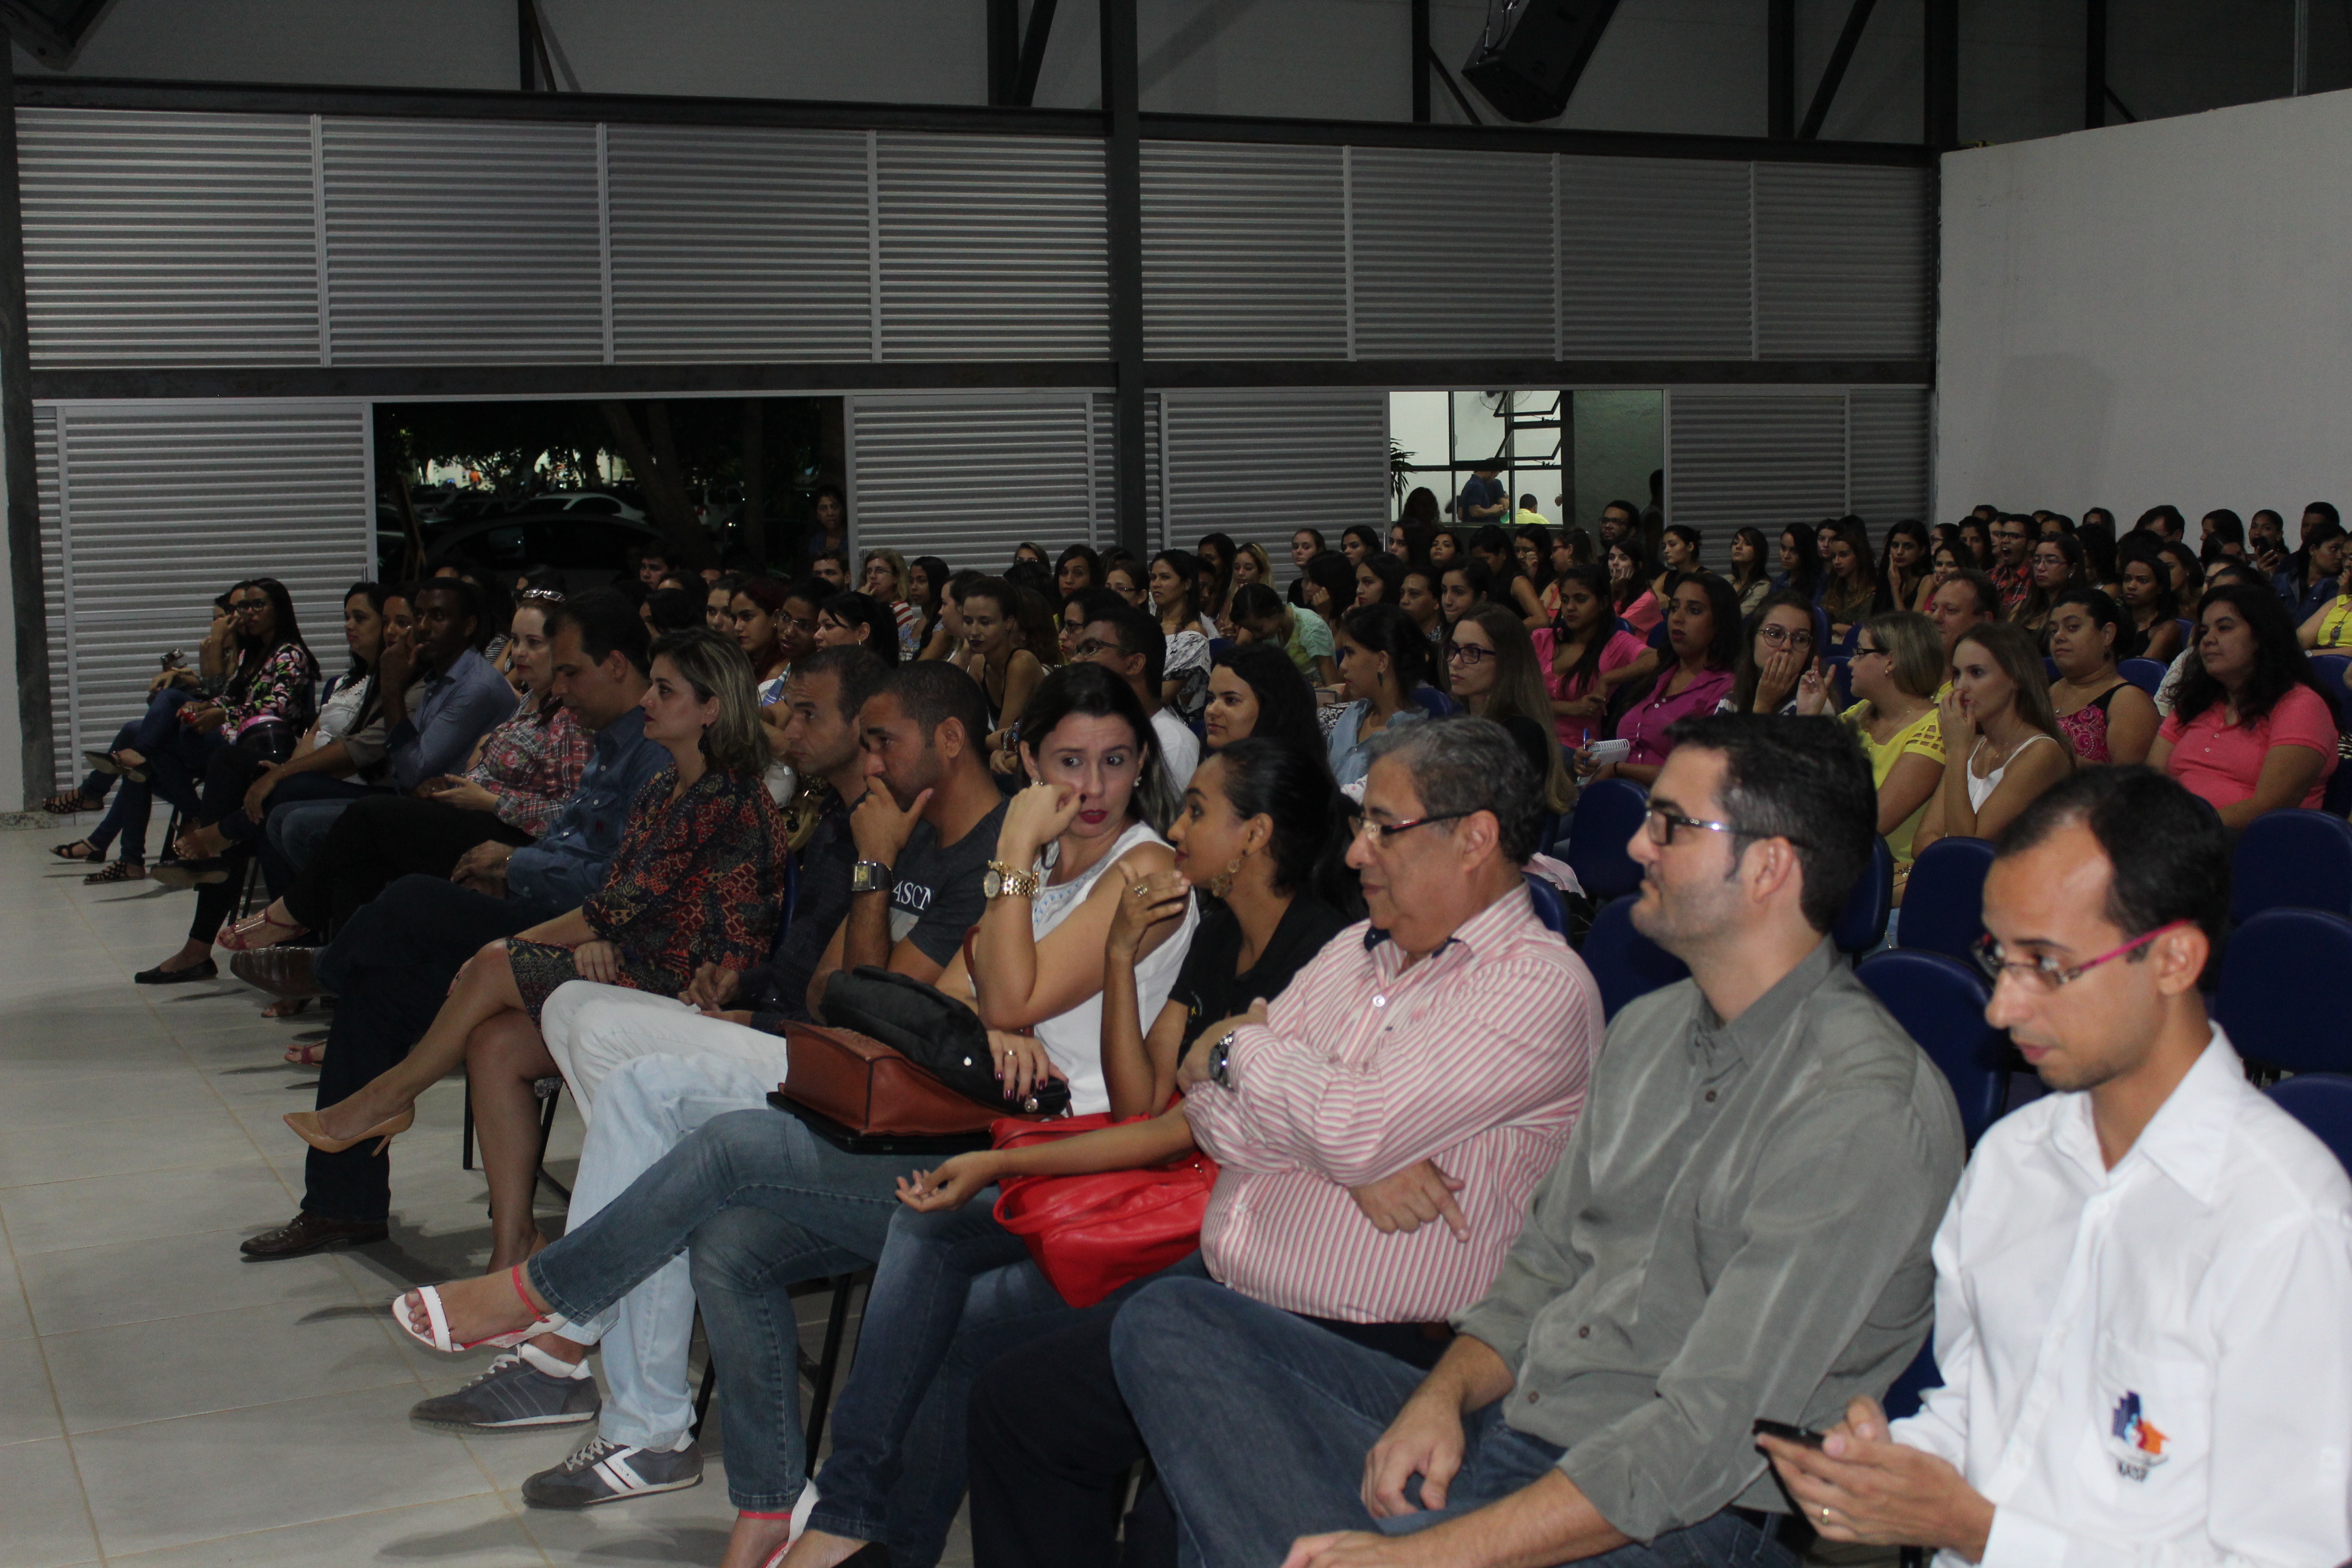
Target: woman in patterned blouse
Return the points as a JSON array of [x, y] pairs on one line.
[[275, 682], [698, 880]]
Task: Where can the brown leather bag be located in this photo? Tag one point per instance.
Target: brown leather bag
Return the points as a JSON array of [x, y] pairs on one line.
[[862, 1096]]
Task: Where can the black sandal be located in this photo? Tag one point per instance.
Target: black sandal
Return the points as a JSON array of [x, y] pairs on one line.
[[69, 802], [65, 851], [121, 871]]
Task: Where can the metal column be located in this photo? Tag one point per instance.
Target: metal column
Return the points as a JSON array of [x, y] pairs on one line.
[[17, 455], [1123, 214]]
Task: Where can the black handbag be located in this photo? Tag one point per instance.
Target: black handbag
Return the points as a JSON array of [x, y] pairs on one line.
[[931, 1029]]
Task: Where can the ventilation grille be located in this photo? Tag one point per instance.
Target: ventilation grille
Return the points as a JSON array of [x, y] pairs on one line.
[[1262, 465], [1452, 254], [1754, 460], [1654, 259], [1889, 455], [1844, 262], [1244, 252], [969, 478]]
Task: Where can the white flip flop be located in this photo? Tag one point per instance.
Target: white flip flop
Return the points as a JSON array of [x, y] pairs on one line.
[[437, 1318], [799, 1526]]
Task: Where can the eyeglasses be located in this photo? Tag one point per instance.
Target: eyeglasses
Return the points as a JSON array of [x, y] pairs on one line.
[[1381, 832], [1780, 636], [1095, 648], [553, 595], [1470, 654], [1662, 820], [2044, 972], [248, 606], [1864, 650]]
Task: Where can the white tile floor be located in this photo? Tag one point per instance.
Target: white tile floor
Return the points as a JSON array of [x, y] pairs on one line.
[[164, 1402]]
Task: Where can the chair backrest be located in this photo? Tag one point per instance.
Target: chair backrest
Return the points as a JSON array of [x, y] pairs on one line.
[[2292, 859], [2147, 674], [1658, 634], [1861, 925], [2287, 984], [1940, 1004], [1626, 964], [1433, 702], [1550, 906], [1943, 900], [2188, 631], [2322, 1101], [2328, 670], [2050, 669], [1607, 815], [1219, 645]]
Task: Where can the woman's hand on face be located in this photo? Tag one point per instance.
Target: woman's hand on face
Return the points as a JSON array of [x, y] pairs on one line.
[[956, 1183], [1813, 690], [1038, 815], [1021, 1063], [1783, 666], [598, 961], [1953, 719], [1143, 904]]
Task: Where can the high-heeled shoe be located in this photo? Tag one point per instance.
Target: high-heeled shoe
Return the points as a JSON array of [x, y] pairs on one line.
[[242, 936], [306, 1127]]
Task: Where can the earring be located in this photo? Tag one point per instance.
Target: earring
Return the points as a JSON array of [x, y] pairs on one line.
[[1222, 882]]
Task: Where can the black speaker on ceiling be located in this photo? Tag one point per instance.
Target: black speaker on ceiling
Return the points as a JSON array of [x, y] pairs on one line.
[[50, 31], [1532, 52]]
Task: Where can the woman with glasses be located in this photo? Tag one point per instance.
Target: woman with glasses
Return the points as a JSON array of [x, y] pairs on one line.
[[2106, 719], [1703, 632], [1585, 657], [2252, 730], [1781, 644], [2002, 746], [1496, 675], [1898, 664], [1382, 657], [2055, 568]]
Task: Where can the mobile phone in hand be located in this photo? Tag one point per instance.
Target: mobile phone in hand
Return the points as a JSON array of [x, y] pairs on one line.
[[1786, 1433]]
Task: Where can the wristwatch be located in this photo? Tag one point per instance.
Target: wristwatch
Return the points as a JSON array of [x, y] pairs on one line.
[[869, 877], [1004, 879], [1221, 1055]]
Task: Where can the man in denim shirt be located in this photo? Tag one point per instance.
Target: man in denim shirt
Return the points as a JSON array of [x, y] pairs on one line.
[[393, 962]]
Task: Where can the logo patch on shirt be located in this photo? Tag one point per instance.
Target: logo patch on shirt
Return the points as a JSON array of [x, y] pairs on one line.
[[2139, 1446]]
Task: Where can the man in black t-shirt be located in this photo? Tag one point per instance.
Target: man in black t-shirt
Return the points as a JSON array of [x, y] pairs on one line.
[[1483, 498]]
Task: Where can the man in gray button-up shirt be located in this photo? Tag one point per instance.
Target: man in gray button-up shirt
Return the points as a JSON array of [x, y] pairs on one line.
[[1737, 1228]]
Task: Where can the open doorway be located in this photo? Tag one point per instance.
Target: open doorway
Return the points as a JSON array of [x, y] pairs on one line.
[[1573, 452], [577, 485]]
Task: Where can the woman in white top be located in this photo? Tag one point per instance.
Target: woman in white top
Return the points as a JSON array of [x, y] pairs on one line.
[[1086, 828], [2002, 746]]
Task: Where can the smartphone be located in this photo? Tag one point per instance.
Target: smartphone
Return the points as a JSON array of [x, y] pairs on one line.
[[1786, 1432]]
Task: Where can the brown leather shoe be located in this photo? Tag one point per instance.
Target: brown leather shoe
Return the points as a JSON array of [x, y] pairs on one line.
[[307, 1233], [281, 971]]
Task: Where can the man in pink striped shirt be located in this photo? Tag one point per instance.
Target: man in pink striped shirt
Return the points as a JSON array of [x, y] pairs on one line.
[[1427, 1065]]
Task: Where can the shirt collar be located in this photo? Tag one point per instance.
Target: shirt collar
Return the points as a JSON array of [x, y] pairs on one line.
[[621, 733], [2189, 1134], [1481, 931], [1755, 1028]]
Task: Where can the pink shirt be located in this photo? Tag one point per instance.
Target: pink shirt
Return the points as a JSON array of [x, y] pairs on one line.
[[1476, 1057], [2221, 763], [1576, 729], [1646, 723], [1644, 614]]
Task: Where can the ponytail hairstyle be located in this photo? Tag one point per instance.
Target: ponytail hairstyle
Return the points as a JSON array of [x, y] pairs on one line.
[[1386, 629], [1290, 785]]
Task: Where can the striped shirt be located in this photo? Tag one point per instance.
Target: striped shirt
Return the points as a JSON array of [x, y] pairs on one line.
[[1476, 1057]]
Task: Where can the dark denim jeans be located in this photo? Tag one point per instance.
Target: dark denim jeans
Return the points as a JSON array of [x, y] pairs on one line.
[[1259, 1423], [149, 735], [759, 1203]]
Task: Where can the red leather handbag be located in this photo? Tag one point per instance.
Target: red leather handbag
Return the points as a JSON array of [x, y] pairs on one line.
[[1092, 1234]]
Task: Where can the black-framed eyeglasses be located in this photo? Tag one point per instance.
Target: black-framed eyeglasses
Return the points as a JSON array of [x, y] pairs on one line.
[[1864, 650], [1381, 832], [1777, 635], [1470, 654], [1662, 820]]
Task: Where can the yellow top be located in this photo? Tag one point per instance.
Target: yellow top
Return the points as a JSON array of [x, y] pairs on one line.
[[1923, 736], [2335, 631]]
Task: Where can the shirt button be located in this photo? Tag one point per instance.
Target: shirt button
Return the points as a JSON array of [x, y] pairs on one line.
[[1533, 1397], [1379, 1000], [1584, 1331]]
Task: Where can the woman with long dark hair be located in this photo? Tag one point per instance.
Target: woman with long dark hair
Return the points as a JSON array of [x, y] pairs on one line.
[[1585, 657], [1631, 595], [1749, 579], [1496, 675], [1176, 598], [1678, 549], [2106, 718], [1255, 690], [2251, 730], [1448, 545], [1850, 585], [854, 618], [1382, 658], [1358, 540], [1902, 567], [1976, 537], [927, 589], [1702, 633], [1378, 578], [2054, 568], [2151, 615], [1778, 646], [1801, 562]]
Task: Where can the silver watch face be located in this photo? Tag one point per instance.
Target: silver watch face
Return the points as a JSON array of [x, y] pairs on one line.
[[992, 884]]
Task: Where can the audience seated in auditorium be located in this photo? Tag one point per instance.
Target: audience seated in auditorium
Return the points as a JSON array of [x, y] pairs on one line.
[[1586, 656], [1761, 1249], [1750, 578], [391, 964], [2251, 730], [761, 1201], [1302, 635], [1703, 634], [2013, 534], [1849, 584], [1903, 568], [2106, 717], [1893, 672], [1630, 592], [2139, 1284], [1128, 643], [2147, 599], [1007, 671], [1382, 658], [2002, 746], [2055, 567], [884, 580], [2308, 585]]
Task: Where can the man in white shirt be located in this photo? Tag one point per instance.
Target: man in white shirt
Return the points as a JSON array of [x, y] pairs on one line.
[[1127, 642], [2142, 1282]]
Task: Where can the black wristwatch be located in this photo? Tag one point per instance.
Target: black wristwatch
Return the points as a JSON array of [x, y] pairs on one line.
[[869, 877], [1221, 1055]]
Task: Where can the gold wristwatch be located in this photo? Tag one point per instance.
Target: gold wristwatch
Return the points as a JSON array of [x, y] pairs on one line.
[[1003, 878]]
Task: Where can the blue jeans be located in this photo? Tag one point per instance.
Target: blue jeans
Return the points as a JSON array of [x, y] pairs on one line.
[[1259, 1423], [301, 812], [953, 1292], [761, 1203], [148, 735]]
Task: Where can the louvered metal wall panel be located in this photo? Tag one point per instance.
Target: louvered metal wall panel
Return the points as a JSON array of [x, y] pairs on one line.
[[1747, 459], [992, 247], [1106, 472], [169, 239], [150, 511], [64, 634], [967, 478], [1653, 258], [1244, 252], [740, 245], [1889, 447], [1844, 262], [1452, 253], [1262, 465], [463, 243]]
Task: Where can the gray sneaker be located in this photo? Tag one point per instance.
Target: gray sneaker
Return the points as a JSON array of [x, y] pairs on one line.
[[605, 1471], [516, 1392]]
